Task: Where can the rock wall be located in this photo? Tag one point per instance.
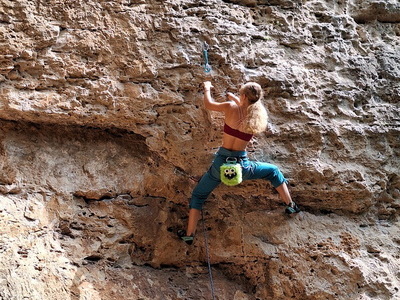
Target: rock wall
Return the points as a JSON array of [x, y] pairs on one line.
[[103, 135]]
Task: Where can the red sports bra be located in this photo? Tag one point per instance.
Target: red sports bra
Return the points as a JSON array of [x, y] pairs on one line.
[[237, 133]]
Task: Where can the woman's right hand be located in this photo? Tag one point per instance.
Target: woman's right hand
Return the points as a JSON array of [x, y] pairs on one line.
[[208, 85]]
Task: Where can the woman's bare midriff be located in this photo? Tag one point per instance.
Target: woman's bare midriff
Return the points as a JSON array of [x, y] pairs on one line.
[[232, 143]]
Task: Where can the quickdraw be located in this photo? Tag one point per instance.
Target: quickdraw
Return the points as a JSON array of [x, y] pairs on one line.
[[207, 67]]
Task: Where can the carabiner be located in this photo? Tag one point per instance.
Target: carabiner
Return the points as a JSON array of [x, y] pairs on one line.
[[206, 47]]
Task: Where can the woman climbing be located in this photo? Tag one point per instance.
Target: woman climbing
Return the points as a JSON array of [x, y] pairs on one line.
[[244, 116]]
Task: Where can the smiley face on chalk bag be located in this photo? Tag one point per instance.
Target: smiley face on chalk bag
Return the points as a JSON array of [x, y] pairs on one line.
[[231, 174]]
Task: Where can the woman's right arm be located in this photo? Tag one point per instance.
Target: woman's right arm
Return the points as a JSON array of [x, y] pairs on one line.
[[209, 102]]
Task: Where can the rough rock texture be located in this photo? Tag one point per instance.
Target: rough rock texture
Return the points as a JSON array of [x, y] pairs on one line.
[[103, 135]]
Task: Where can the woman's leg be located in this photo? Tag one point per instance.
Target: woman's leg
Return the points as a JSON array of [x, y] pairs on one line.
[[203, 189], [261, 170], [284, 193], [194, 217]]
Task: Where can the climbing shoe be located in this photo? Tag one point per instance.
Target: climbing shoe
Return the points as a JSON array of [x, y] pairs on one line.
[[187, 239], [292, 208]]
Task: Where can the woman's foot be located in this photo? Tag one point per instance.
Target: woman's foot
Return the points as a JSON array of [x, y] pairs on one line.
[[292, 208], [187, 239]]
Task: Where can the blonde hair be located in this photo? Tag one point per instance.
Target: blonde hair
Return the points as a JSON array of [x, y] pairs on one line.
[[257, 117]]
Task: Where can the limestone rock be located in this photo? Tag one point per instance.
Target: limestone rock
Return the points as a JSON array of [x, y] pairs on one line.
[[103, 135]]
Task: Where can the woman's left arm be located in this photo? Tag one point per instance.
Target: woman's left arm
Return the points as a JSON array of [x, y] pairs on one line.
[[233, 98]]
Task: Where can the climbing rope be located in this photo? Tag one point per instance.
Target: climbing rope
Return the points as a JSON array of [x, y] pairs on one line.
[[185, 174], [208, 257]]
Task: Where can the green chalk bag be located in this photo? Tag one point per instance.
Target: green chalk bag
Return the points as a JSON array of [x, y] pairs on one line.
[[231, 172]]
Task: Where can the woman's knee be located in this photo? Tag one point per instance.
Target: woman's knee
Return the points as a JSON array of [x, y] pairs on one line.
[[201, 192], [278, 178], [196, 205], [275, 176]]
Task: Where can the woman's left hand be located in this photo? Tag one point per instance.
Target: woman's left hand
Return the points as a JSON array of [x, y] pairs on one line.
[[232, 97]]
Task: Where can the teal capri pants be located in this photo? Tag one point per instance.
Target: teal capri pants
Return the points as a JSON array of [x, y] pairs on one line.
[[250, 170]]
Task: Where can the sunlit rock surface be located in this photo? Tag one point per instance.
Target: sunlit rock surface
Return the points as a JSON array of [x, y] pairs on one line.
[[103, 135]]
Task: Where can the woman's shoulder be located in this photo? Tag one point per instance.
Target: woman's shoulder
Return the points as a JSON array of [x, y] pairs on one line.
[[233, 105]]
